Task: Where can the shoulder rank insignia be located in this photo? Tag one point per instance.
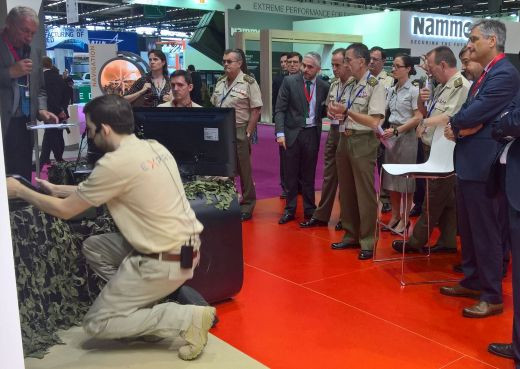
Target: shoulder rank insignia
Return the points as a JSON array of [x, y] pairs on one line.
[[333, 80], [372, 81], [249, 79], [458, 82], [416, 82], [351, 80], [221, 78]]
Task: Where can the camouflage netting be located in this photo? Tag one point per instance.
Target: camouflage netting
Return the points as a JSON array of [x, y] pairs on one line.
[[55, 287]]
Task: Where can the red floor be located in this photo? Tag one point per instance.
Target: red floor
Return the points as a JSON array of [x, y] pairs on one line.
[[304, 305]]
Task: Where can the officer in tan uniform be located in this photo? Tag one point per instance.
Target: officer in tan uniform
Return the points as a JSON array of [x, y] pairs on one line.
[[338, 92], [377, 62], [240, 91], [357, 153], [448, 98]]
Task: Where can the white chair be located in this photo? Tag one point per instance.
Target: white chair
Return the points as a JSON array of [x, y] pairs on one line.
[[439, 165]]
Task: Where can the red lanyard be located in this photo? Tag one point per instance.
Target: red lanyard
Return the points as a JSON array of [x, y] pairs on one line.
[[307, 96], [495, 60], [11, 48]]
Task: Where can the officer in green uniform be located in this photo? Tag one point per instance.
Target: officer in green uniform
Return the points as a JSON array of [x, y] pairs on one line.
[[448, 98], [240, 91], [357, 153], [338, 92]]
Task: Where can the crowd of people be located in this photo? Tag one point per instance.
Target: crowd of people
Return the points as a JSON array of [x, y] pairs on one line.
[[375, 118]]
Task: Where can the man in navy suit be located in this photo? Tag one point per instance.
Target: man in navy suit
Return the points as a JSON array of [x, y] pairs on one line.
[[299, 110], [479, 228], [507, 129]]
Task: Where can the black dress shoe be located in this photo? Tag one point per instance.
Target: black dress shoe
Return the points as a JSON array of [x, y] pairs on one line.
[[365, 254], [458, 268], [338, 226], [397, 245], [245, 216], [386, 208], [390, 226], [344, 245], [416, 211], [286, 217], [313, 222], [436, 249], [502, 349]]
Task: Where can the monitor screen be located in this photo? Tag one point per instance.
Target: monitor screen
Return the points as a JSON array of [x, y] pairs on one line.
[[202, 140]]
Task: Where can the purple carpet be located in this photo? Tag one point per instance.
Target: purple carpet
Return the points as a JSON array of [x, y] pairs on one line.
[[266, 163]]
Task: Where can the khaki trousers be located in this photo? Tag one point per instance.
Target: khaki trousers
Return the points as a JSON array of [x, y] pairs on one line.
[[330, 176], [356, 159], [125, 307], [248, 202]]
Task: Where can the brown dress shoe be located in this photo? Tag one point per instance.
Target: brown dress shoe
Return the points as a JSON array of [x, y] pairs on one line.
[[482, 309], [459, 291]]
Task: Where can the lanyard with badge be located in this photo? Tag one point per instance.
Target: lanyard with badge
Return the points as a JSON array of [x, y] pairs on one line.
[[23, 82], [351, 101], [335, 122], [496, 59], [226, 92], [308, 97]]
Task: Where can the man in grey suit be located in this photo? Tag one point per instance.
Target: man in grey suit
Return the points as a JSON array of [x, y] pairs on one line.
[[22, 95], [298, 114]]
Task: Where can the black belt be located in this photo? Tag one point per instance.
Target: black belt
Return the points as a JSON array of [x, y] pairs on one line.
[[164, 256]]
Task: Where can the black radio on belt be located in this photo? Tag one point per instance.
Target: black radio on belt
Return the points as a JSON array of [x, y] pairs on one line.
[[186, 257]]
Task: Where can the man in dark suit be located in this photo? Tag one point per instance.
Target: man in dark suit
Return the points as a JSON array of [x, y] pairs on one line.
[[479, 228], [23, 98], [196, 92], [507, 129], [57, 103], [298, 115]]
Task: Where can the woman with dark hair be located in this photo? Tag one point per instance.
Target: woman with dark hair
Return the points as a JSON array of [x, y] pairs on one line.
[[404, 118], [153, 88]]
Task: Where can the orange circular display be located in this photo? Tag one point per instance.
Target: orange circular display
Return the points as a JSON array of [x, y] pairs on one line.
[[118, 76]]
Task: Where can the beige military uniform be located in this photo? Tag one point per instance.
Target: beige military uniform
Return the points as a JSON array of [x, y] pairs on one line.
[[338, 92], [243, 95], [386, 80], [447, 99], [356, 161]]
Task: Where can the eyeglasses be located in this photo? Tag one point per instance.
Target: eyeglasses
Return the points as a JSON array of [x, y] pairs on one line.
[[293, 61], [398, 66], [228, 61], [375, 59]]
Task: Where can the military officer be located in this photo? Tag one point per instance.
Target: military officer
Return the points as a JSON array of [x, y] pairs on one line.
[[448, 98], [357, 152], [240, 91], [338, 92]]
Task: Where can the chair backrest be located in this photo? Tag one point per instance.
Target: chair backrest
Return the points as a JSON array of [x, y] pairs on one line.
[[441, 154]]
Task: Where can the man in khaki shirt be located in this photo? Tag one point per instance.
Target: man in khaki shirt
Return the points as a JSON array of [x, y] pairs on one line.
[[357, 153], [181, 86], [240, 91], [140, 183], [338, 92], [448, 98]]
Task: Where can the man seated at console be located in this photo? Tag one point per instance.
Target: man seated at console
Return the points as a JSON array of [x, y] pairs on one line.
[[159, 245], [181, 86]]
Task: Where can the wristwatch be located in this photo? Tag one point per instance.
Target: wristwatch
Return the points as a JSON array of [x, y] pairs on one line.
[[396, 132]]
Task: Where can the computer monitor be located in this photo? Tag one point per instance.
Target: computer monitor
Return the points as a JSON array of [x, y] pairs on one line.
[[202, 140]]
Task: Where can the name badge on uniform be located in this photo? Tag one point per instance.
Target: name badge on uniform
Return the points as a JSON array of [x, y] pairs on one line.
[[309, 121], [334, 122], [342, 127]]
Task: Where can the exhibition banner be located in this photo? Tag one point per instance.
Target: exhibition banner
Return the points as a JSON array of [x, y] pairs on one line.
[[78, 39], [99, 54]]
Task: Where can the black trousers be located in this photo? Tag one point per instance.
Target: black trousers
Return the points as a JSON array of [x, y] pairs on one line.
[[300, 163], [514, 226], [52, 141], [18, 148], [281, 152], [420, 183], [482, 243]]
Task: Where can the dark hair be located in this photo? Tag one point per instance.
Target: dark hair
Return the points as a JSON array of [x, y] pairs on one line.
[[243, 67], [380, 49], [445, 54], [191, 68], [46, 62], [183, 73], [408, 63], [360, 50], [293, 54], [284, 54], [339, 50], [462, 51], [112, 110], [160, 55]]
